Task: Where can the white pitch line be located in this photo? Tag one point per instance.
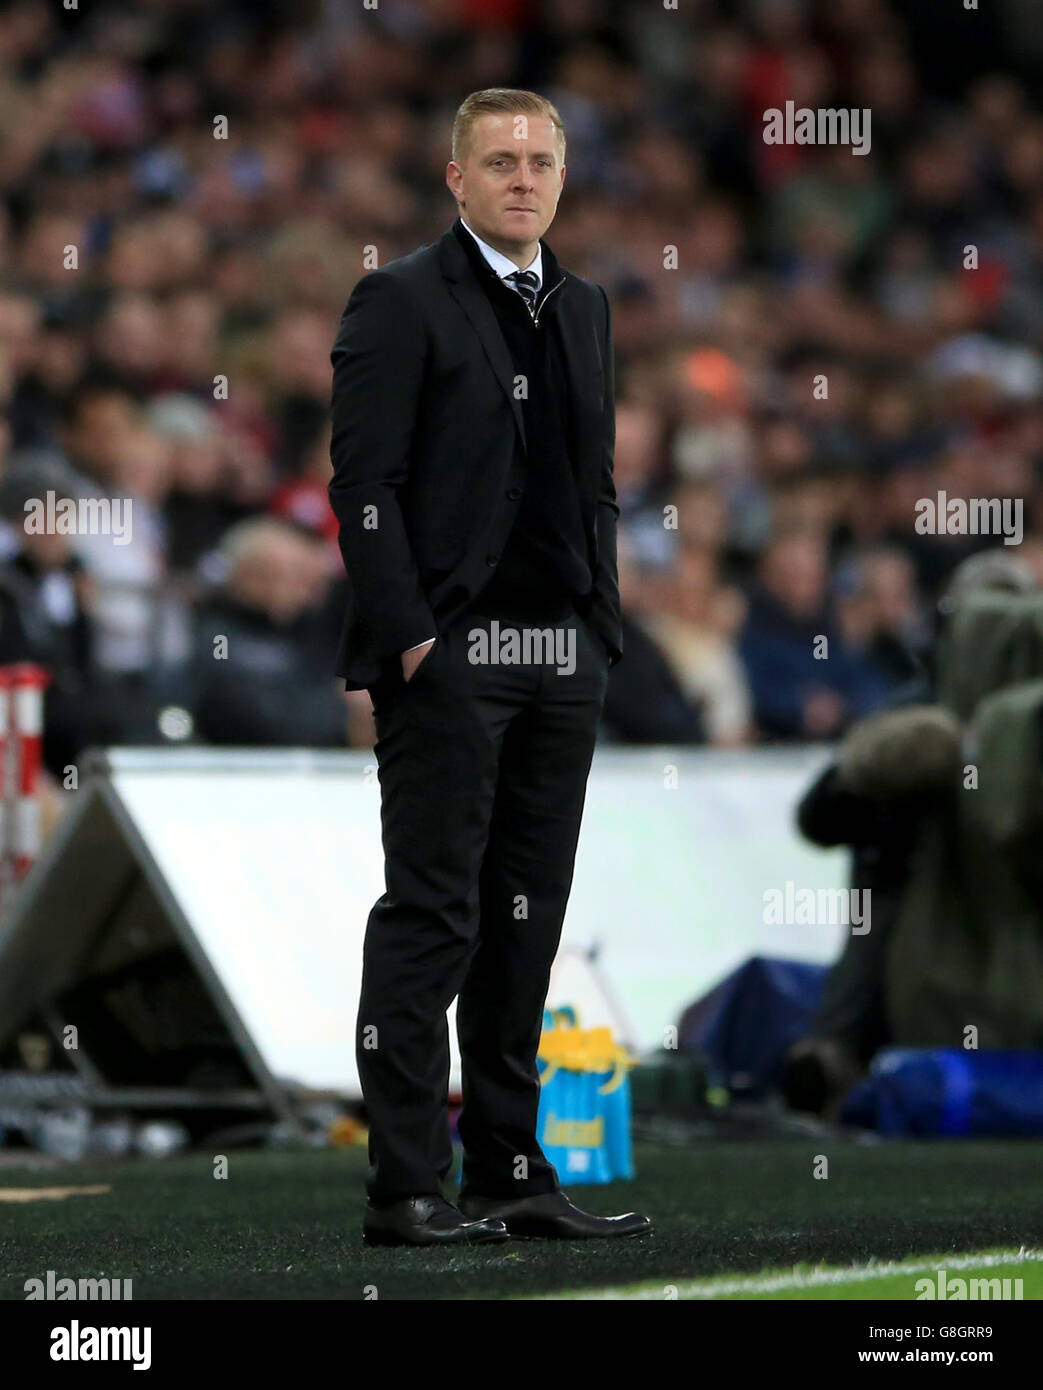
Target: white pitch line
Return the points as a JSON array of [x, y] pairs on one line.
[[713, 1288]]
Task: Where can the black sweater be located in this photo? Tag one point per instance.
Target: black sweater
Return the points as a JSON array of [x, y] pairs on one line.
[[545, 562]]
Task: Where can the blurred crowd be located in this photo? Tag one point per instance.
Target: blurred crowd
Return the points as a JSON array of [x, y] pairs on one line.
[[807, 341]]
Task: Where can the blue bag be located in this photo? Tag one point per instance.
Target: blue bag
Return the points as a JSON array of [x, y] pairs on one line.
[[746, 1023], [948, 1092], [583, 1123]]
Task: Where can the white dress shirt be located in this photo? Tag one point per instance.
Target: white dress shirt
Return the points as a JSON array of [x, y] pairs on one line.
[[503, 266]]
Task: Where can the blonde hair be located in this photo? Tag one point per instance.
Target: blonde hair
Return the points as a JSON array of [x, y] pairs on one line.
[[500, 101], [249, 540]]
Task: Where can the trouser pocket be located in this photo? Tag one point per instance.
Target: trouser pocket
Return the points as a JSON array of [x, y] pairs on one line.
[[423, 669]]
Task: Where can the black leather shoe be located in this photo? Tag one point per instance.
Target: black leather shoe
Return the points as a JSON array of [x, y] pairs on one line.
[[553, 1216], [426, 1221]]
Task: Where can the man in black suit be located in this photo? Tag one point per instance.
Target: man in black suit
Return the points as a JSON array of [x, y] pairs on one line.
[[472, 447]]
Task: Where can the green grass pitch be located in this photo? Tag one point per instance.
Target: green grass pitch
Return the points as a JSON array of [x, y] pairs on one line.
[[286, 1224]]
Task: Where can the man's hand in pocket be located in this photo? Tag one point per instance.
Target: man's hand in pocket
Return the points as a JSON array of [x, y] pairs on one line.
[[412, 659]]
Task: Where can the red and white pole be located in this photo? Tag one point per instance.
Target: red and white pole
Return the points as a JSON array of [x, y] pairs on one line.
[[6, 787], [28, 684]]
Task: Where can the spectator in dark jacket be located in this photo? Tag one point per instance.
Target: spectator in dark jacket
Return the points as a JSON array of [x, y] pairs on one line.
[[261, 674], [805, 683], [45, 616], [644, 702]]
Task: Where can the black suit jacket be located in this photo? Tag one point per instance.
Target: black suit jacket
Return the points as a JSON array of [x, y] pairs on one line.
[[429, 449]]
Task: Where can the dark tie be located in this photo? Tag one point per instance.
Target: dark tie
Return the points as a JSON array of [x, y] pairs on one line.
[[527, 284]]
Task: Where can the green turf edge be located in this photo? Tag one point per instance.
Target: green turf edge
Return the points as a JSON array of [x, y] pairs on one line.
[[896, 1288], [1028, 1268]]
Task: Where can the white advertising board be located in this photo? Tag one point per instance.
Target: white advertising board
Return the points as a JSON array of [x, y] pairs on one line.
[[274, 860]]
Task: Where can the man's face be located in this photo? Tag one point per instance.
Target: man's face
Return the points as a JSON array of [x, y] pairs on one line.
[[101, 425], [281, 577], [794, 570], [509, 183]]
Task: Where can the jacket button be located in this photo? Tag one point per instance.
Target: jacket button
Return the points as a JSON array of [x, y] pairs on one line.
[[492, 559], [514, 493]]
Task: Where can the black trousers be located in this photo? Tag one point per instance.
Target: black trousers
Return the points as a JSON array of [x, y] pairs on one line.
[[483, 768]]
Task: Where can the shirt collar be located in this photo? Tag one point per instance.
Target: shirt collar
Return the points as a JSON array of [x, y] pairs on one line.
[[502, 265]]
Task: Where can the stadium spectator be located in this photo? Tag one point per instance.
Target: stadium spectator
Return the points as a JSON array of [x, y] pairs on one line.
[[45, 618], [259, 673], [197, 511], [695, 633], [879, 616], [805, 682], [645, 701]]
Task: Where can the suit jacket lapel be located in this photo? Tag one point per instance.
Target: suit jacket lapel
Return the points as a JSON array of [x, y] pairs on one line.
[[466, 290], [579, 342], [581, 354]]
